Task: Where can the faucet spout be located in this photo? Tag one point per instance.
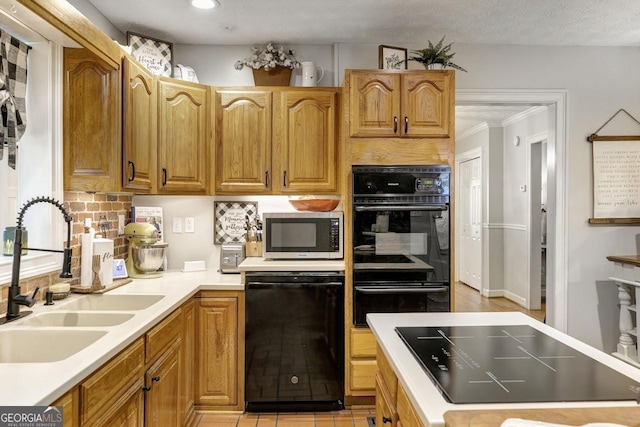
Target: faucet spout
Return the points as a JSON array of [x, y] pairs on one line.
[[15, 299]]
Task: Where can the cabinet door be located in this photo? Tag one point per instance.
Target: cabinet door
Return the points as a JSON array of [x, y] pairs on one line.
[[304, 141], [69, 403], [243, 141], [91, 123], [183, 137], [217, 324], [162, 380], [426, 104], [374, 102], [128, 413], [386, 414], [406, 413], [188, 366], [139, 157]]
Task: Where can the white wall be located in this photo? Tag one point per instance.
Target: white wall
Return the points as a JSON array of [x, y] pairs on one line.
[[95, 16]]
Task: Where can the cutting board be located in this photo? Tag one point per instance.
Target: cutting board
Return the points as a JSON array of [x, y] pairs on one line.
[[629, 416]]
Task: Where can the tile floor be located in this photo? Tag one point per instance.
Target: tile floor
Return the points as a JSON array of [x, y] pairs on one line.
[[346, 418]]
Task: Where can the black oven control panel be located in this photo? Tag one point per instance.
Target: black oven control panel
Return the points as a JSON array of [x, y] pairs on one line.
[[429, 180]]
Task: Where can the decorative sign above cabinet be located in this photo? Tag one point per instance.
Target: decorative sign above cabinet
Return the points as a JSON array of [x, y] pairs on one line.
[[156, 55]]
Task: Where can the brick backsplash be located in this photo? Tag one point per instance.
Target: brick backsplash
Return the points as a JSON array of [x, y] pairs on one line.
[[103, 209]]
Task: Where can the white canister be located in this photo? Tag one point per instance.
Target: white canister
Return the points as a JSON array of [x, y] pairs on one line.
[[310, 73], [104, 248]]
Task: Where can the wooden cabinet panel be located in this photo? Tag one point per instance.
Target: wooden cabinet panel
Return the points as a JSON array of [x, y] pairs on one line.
[[217, 324], [406, 413], [304, 143], [416, 104], [70, 410], [387, 374], [183, 137], [363, 374], [188, 366], [363, 343], [104, 388], [427, 103], [163, 335], [128, 412], [91, 123], [243, 141], [139, 116], [386, 414], [374, 100], [162, 380]]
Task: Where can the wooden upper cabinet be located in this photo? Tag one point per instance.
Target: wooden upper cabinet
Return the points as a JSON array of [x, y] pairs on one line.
[[304, 141], [91, 123], [401, 104], [139, 127], [183, 137], [374, 100], [243, 141]]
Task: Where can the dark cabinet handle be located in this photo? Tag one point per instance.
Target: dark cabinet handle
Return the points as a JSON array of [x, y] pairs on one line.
[[164, 176], [133, 171], [284, 178], [266, 178], [395, 124], [406, 124], [146, 388], [386, 420], [155, 379]]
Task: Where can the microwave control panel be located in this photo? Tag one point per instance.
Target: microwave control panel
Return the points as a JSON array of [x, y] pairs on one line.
[[335, 234]]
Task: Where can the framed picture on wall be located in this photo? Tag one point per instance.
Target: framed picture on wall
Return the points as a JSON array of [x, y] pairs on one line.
[[156, 55], [231, 220], [392, 58]]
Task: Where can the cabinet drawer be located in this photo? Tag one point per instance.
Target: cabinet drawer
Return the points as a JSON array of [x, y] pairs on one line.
[[163, 335], [363, 374], [387, 373], [386, 414], [104, 388], [363, 343]]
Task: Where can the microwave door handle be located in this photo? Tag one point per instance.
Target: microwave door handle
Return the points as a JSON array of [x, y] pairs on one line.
[[396, 291], [401, 208]]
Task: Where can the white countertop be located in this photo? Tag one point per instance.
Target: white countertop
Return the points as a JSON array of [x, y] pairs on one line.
[[28, 384], [262, 264], [430, 405]]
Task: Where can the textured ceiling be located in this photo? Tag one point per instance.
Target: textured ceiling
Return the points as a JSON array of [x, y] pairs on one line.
[[532, 22]]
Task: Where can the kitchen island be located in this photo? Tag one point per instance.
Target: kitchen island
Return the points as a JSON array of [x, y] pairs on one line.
[[416, 391]]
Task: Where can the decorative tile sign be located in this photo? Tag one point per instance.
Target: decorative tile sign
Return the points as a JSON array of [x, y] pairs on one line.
[[156, 55], [231, 220]]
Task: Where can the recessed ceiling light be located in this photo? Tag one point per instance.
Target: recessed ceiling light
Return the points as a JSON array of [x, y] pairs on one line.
[[204, 4]]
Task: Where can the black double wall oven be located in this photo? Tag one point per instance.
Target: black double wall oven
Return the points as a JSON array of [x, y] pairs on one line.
[[401, 235]]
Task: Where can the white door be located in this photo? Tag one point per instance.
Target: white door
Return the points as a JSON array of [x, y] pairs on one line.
[[470, 211]]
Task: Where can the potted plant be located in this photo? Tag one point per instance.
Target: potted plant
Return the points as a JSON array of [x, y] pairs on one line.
[[437, 55], [271, 65]]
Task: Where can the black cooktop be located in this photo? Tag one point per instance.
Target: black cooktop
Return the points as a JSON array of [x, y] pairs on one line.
[[515, 363]]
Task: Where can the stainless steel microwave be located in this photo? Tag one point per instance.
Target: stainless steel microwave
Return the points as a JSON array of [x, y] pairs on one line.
[[303, 235]]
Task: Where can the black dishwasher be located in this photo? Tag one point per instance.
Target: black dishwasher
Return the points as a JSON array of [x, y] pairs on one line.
[[294, 340]]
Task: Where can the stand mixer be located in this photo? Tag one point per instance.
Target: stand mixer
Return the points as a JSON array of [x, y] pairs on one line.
[[145, 254]]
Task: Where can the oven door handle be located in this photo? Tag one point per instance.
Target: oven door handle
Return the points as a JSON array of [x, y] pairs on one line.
[[401, 208], [385, 291], [291, 283]]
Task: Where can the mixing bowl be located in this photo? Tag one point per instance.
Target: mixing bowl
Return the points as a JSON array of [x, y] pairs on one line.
[[147, 259]]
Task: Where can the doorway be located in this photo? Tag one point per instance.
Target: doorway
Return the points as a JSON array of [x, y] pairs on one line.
[[556, 212], [469, 214]]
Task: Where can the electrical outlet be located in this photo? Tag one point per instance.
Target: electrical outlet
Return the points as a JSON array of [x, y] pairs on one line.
[[189, 224], [177, 225], [120, 225]]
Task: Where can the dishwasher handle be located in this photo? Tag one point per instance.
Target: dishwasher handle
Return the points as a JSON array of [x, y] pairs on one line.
[[396, 291], [292, 283]]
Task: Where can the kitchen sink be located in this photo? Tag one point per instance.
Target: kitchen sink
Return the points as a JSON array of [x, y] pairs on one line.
[[112, 302], [44, 346], [76, 318]]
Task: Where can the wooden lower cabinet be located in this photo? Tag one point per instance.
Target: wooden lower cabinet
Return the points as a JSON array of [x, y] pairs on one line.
[[188, 366], [362, 364], [220, 350], [393, 407], [129, 412], [162, 381], [69, 403]]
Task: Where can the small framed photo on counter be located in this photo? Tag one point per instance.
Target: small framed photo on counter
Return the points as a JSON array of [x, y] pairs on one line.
[[392, 58]]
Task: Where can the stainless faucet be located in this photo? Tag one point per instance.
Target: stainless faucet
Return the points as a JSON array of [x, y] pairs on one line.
[[15, 299]]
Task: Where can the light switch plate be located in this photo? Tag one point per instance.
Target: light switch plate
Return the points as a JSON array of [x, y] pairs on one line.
[[177, 224], [189, 224]]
